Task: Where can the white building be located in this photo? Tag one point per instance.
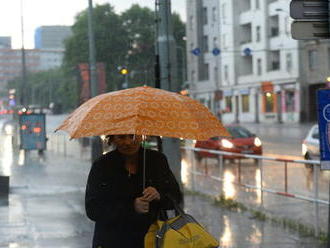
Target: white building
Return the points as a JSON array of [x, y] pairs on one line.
[[50, 59], [262, 76]]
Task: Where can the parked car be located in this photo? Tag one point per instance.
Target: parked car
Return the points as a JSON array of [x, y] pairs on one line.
[[241, 141], [311, 144]]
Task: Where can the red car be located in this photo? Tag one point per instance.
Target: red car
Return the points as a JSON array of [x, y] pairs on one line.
[[241, 141]]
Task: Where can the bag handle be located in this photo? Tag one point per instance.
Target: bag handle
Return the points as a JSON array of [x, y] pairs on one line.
[[177, 208]]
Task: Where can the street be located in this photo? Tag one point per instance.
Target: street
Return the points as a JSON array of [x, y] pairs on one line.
[[45, 207]]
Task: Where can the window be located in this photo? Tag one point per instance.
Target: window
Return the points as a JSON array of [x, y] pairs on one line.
[[258, 34], [224, 16], [205, 16], [215, 42], [312, 58], [205, 43], [216, 77], [204, 72], [224, 41], [288, 62], [193, 75], [259, 67], [245, 103], [214, 14], [257, 4], [225, 72], [229, 106], [191, 21], [274, 60], [274, 26]]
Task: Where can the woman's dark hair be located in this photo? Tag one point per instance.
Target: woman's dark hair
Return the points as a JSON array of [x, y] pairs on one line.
[[109, 139]]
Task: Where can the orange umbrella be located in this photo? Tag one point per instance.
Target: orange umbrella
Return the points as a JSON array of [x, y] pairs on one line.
[[143, 111]]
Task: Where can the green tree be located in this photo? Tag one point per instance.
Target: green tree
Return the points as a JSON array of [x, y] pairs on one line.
[[55, 85], [121, 40], [110, 41]]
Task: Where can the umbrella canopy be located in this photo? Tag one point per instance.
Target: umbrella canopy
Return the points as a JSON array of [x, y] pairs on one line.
[[143, 111]]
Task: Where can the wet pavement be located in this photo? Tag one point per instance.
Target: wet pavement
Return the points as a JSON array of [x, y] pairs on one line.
[[45, 207]]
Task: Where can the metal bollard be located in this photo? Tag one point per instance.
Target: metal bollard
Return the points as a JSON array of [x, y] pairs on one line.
[[4, 185], [316, 196], [220, 162], [193, 171]]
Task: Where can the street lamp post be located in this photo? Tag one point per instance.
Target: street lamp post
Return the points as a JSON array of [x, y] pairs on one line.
[[96, 148], [23, 85], [183, 61]]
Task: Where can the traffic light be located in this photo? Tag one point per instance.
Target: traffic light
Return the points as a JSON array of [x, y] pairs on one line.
[[123, 71]]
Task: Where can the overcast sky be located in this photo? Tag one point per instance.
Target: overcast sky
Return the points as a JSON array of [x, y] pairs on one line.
[[55, 12]]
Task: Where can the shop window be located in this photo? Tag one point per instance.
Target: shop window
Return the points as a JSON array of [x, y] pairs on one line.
[[289, 101], [269, 102], [229, 106], [245, 103]]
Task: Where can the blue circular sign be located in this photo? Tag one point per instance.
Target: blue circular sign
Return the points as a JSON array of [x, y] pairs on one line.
[[247, 51], [326, 112], [216, 51], [196, 51]]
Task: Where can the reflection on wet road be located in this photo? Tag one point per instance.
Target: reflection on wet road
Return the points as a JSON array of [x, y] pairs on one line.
[[240, 180], [46, 201]]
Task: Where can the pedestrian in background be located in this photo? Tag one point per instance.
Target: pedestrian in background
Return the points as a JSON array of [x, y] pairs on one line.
[[115, 199]]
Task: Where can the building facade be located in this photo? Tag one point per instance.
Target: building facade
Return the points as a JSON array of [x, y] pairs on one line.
[[5, 42], [51, 37], [261, 73], [36, 60]]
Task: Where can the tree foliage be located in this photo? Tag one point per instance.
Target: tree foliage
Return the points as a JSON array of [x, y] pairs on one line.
[[126, 39]]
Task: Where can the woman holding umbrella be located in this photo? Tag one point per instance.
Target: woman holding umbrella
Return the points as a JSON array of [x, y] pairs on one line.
[[117, 200]]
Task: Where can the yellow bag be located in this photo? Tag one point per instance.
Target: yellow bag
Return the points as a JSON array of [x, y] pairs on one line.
[[182, 231]]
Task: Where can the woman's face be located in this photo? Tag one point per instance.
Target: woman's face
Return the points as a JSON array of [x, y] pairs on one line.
[[127, 144]]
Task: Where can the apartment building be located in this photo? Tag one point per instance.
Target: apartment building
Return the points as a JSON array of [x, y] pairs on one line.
[[264, 75], [203, 45]]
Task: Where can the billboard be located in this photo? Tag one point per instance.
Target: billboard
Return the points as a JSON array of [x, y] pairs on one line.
[[32, 131], [84, 81]]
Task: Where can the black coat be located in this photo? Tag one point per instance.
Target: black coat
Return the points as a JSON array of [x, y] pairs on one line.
[[110, 195]]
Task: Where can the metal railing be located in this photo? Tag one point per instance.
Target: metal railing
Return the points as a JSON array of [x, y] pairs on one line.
[[286, 193]]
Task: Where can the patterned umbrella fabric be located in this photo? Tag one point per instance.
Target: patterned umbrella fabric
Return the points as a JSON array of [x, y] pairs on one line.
[[144, 111]]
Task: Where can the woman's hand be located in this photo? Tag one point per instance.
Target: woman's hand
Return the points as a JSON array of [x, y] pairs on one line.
[[150, 194], [141, 205]]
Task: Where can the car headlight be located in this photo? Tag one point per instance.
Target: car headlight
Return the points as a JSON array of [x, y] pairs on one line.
[[303, 149], [257, 142], [9, 129], [226, 143]]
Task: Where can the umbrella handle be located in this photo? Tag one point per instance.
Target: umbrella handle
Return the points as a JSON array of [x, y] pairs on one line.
[[144, 168], [144, 163]]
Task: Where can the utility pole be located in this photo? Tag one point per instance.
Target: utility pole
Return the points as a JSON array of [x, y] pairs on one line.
[[23, 88], [92, 53], [168, 75], [96, 148]]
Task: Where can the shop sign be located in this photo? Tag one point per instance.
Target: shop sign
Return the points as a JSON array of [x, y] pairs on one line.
[[244, 91], [267, 87], [228, 92]]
